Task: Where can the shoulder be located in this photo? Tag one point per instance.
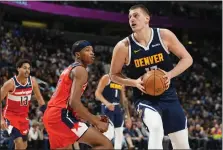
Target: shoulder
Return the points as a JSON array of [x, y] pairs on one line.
[[9, 84], [166, 33], [105, 78], [123, 44], [79, 72]]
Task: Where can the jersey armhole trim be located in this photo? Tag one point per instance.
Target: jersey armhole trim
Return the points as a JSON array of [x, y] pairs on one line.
[[161, 41], [70, 72], [129, 50]]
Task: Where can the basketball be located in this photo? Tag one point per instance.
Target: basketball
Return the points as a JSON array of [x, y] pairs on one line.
[[154, 82]]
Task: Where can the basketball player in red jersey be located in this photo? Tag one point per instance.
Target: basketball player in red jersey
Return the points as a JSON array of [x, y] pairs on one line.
[[64, 110], [18, 90]]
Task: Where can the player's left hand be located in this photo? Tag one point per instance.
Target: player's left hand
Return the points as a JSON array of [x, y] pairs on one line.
[[128, 123], [104, 118], [102, 124], [168, 77], [3, 126]]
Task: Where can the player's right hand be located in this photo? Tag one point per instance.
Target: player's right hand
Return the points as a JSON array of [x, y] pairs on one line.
[[139, 84], [102, 126], [3, 124], [110, 106]]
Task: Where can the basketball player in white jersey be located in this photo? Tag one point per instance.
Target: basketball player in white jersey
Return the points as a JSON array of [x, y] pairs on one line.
[[149, 48], [18, 91]]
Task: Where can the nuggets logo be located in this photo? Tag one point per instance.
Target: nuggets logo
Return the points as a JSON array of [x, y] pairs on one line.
[[149, 60], [115, 86]]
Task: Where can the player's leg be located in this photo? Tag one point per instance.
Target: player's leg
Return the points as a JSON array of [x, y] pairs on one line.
[[20, 143], [69, 129], [153, 122], [110, 133], [179, 139], [118, 123], [95, 139], [76, 145], [20, 140], [118, 137], [111, 115], [69, 147], [175, 125]]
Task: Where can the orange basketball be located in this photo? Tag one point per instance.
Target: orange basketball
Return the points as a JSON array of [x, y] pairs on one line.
[[154, 82]]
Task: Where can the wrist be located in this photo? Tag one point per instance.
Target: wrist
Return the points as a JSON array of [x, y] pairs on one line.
[[42, 108], [171, 74], [106, 103], [134, 83]]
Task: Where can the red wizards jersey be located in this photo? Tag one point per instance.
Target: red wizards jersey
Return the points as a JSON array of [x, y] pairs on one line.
[[62, 93], [18, 101]]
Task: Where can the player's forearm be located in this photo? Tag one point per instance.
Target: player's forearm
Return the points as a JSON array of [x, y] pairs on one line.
[[182, 65], [1, 111], [101, 98], [2, 95], [39, 99], [82, 112], [41, 102], [118, 78], [126, 108]]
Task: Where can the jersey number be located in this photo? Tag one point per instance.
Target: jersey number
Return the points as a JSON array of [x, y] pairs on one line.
[[116, 93], [151, 68], [24, 101]]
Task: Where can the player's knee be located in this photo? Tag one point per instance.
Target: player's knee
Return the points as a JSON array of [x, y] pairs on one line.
[[108, 145], [25, 145], [20, 145]]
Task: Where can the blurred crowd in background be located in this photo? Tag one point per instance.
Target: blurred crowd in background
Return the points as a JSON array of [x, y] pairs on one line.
[[198, 10], [199, 88]]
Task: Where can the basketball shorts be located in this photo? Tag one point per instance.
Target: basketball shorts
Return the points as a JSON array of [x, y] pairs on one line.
[[171, 112], [62, 127], [17, 127], [115, 116]]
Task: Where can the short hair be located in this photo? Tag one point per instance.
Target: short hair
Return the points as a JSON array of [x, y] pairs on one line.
[[79, 45], [141, 6], [21, 62]]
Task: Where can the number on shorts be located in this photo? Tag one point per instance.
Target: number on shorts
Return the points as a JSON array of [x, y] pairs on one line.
[[24, 101]]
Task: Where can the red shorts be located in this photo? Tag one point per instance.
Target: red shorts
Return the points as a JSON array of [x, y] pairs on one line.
[[62, 127], [18, 122]]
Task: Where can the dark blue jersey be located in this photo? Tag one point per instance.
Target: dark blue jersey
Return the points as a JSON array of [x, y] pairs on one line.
[[142, 58], [112, 92]]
